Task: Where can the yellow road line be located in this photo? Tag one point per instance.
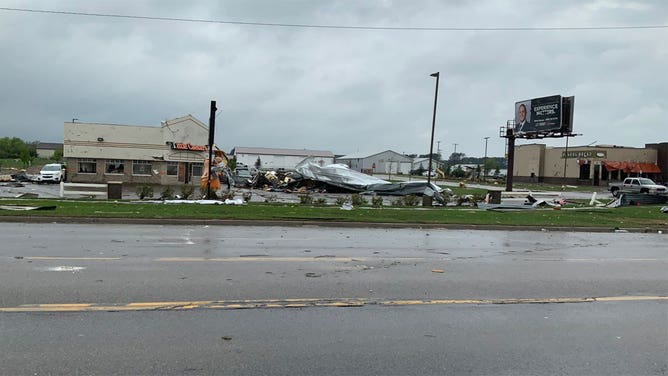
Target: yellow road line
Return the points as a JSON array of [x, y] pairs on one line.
[[255, 259], [280, 259], [629, 298], [72, 258], [306, 303]]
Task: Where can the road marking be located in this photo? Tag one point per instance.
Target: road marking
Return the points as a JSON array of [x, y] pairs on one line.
[[230, 259], [600, 259], [257, 259], [43, 258], [306, 303], [281, 259]]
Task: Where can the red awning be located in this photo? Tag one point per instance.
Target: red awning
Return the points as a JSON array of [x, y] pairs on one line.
[[635, 167]]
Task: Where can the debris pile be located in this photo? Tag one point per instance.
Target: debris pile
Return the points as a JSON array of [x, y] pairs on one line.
[[338, 178]]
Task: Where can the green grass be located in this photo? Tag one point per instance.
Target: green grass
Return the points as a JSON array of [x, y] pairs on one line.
[[626, 217]]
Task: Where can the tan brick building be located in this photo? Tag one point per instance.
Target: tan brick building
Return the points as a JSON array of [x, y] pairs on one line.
[[169, 154], [589, 165]]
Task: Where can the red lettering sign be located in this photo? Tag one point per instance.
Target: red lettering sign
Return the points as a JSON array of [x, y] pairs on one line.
[[188, 146]]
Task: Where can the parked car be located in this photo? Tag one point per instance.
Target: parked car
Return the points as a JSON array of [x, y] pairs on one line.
[[242, 176], [52, 172], [637, 185]]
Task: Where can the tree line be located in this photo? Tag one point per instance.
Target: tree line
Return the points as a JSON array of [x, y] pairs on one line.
[[16, 148]]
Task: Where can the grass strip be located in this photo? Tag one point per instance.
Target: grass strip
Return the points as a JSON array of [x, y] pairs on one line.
[[625, 217]]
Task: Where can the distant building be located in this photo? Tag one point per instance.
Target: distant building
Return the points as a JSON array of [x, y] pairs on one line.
[[589, 165], [422, 163], [47, 149], [386, 162], [274, 159], [172, 153]]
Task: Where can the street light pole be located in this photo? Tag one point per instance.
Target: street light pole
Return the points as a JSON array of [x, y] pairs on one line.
[[484, 166], [433, 125]]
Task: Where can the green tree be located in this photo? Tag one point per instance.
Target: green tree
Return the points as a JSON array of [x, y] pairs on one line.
[[232, 163], [458, 172], [13, 148], [57, 155], [26, 157], [491, 164]]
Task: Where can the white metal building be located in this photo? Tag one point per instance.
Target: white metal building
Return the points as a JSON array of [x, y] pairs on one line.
[[386, 162], [172, 153], [274, 159]]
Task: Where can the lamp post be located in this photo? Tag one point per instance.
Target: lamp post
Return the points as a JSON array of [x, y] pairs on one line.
[[433, 125], [484, 166]]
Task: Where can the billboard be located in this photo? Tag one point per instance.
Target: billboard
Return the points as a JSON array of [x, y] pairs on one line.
[[544, 116]]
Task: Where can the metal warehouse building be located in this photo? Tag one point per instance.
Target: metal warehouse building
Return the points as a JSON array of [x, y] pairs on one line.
[[274, 159]]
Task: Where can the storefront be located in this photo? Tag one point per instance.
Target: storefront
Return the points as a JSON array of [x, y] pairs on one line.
[[170, 154], [587, 165]]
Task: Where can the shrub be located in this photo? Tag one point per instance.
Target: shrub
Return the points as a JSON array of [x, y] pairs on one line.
[[377, 201], [228, 195], [320, 201], [341, 200], [167, 193], [187, 191], [145, 191], [358, 200], [306, 199], [411, 200]]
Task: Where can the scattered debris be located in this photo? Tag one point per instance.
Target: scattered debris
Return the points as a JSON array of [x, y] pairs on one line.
[[347, 206], [312, 275], [26, 207], [28, 195], [664, 209], [438, 271], [226, 338]]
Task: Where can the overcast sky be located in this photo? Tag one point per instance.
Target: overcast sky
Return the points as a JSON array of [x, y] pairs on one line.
[[342, 90]]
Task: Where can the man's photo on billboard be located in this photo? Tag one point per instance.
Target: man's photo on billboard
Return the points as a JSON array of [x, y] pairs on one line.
[[523, 116]]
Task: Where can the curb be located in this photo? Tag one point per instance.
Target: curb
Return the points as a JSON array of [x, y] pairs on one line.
[[301, 223]]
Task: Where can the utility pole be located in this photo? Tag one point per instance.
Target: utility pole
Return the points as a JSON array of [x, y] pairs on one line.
[[433, 125], [212, 131], [484, 166], [455, 153]]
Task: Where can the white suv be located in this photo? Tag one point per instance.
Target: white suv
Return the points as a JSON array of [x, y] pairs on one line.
[[52, 172]]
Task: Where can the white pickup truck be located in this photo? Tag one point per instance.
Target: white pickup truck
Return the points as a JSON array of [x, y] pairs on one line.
[[637, 185], [52, 172]]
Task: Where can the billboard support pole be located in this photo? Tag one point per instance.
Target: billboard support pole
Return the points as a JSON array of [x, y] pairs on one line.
[[511, 158], [565, 159]]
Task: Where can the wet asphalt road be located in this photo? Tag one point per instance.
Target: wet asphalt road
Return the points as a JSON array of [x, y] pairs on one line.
[[117, 265]]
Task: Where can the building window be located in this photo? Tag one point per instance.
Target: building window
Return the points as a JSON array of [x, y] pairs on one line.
[[141, 167], [196, 170], [113, 166], [172, 168], [87, 166]]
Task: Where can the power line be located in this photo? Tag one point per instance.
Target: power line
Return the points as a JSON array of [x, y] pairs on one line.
[[313, 26]]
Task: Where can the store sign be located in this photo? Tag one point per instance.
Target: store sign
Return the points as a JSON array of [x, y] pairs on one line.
[[188, 146], [585, 154]]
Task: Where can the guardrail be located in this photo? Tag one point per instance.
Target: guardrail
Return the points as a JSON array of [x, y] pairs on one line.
[[83, 190]]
